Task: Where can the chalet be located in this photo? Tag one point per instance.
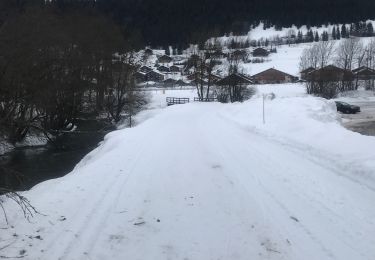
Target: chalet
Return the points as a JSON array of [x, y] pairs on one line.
[[145, 69], [218, 54], [174, 68], [273, 76], [148, 51], [330, 73], [180, 83], [154, 76], [163, 68], [239, 55], [260, 52], [169, 83], [364, 73], [305, 72], [199, 81], [213, 77], [165, 59], [235, 79], [140, 77], [192, 76]]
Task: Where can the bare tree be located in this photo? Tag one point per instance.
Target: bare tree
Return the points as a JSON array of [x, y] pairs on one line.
[[369, 58], [317, 56], [349, 52]]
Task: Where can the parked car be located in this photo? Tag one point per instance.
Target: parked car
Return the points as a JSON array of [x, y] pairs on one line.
[[347, 108]]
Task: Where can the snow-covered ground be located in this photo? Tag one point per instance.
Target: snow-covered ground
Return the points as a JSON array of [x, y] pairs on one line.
[[258, 32], [211, 181]]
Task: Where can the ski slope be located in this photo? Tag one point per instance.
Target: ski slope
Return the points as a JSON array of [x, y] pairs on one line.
[[210, 181]]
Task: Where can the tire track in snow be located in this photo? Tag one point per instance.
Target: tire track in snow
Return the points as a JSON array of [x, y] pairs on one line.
[[85, 217], [259, 155], [93, 226]]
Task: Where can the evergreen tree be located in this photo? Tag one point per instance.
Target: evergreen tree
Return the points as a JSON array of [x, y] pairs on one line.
[[334, 33], [310, 36], [299, 37], [324, 36], [338, 35], [370, 29], [316, 38], [353, 29], [344, 33], [167, 52]]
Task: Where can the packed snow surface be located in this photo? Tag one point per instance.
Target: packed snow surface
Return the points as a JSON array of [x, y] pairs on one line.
[[211, 181]]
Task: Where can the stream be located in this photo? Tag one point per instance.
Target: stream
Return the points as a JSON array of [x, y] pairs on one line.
[[33, 165]]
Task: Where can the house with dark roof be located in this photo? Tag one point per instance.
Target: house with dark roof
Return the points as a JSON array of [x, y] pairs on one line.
[[239, 55], [154, 76], [260, 52], [180, 83], [174, 68], [217, 54], [330, 73], [305, 72], [165, 59], [145, 69], [235, 79], [364, 73], [169, 83], [273, 76], [163, 68], [140, 77], [148, 51]]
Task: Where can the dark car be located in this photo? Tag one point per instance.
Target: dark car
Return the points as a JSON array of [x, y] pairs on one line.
[[347, 108]]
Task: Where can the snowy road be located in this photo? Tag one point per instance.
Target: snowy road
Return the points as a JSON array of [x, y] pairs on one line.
[[191, 183], [363, 122]]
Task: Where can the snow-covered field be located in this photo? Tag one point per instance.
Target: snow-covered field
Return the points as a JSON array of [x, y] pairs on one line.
[[211, 181]]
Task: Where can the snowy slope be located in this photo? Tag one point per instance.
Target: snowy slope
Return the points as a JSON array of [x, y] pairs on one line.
[[210, 181], [258, 32]]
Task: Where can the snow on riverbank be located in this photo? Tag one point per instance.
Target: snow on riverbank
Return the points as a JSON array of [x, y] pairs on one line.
[[211, 181]]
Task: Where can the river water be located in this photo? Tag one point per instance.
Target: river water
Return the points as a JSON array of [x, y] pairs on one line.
[[32, 165]]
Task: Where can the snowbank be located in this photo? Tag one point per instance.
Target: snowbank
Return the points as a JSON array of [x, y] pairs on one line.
[[310, 124]]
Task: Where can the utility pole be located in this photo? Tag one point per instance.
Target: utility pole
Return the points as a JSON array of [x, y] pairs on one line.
[[264, 119]]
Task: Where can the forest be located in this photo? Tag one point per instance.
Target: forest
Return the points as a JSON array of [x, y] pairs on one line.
[[179, 22]]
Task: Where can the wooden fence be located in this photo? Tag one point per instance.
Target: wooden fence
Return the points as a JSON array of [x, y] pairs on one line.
[[175, 101]]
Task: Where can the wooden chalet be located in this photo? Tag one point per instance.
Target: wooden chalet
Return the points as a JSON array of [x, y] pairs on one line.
[[148, 51], [239, 55], [140, 77], [174, 68], [218, 54], [330, 73], [165, 59], [235, 79], [154, 76], [145, 69], [163, 68], [305, 72], [273, 76], [364, 73], [260, 52], [180, 83], [169, 83]]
